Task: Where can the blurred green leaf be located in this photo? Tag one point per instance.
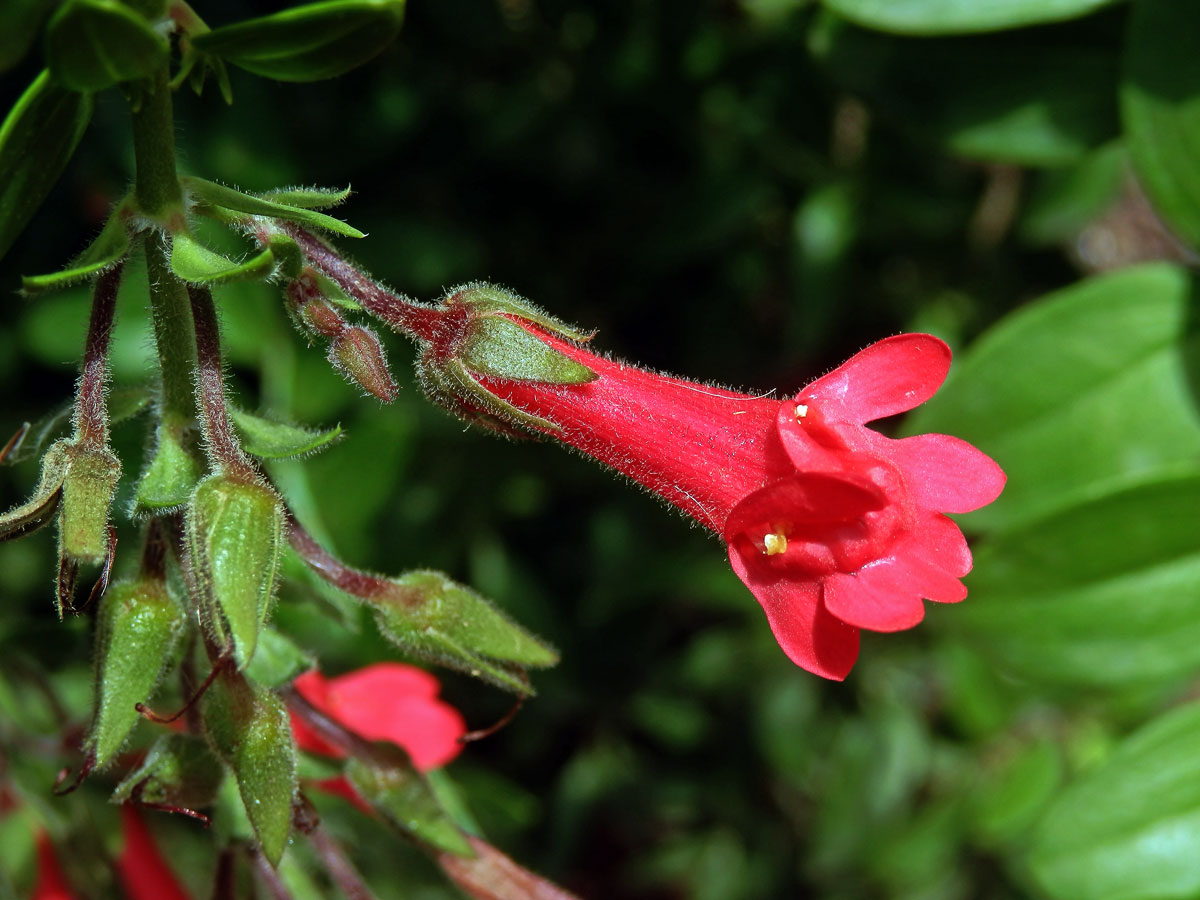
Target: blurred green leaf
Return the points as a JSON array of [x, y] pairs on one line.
[[37, 139], [959, 16], [94, 44], [1105, 593], [193, 262], [1062, 202], [270, 439], [1131, 829], [20, 21], [1009, 799], [307, 43], [179, 769], [109, 247], [227, 198], [994, 98], [1160, 100], [277, 660], [408, 803], [1092, 384]]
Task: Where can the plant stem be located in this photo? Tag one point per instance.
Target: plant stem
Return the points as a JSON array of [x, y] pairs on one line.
[[173, 334], [157, 185], [223, 446], [91, 408]]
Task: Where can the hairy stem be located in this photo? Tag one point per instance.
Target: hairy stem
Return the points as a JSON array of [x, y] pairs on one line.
[[91, 407], [223, 445], [173, 335], [157, 185], [339, 867]]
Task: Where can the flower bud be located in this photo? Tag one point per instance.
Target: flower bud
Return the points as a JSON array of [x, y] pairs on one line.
[[87, 494], [250, 730], [179, 770], [136, 629], [435, 618], [234, 534], [357, 353]]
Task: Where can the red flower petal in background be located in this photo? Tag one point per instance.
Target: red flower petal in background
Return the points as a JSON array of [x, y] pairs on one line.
[[384, 702], [143, 873], [50, 882]]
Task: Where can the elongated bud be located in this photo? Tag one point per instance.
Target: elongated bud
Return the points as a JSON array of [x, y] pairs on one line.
[[483, 331], [179, 771], [358, 354], [87, 494], [250, 730], [435, 618], [234, 532], [137, 626]]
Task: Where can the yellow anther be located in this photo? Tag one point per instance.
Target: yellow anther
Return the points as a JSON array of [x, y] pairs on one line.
[[774, 543], [801, 410]]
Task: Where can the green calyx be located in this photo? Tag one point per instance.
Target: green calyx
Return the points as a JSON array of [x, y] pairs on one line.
[[179, 770], [87, 494], [235, 533]]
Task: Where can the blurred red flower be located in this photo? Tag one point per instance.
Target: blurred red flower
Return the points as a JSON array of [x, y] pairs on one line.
[[143, 873], [384, 702]]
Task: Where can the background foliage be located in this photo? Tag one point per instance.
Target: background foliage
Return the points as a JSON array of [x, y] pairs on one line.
[[745, 192]]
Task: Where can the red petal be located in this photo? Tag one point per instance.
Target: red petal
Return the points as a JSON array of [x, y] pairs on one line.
[[50, 882], [926, 572], [880, 597], [143, 873], [889, 377], [805, 498], [945, 474], [385, 678], [806, 632], [939, 541]]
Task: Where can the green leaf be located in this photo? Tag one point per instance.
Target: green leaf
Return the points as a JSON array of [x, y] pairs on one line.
[[997, 98], [307, 43], [1103, 594], [109, 248], [1089, 385], [277, 660], [271, 439], [1128, 830], [227, 198], [136, 629], [408, 803], [1008, 800], [435, 618], [41, 508], [959, 16], [94, 44], [308, 198], [234, 532], [37, 139], [171, 475], [1062, 202], [250, 730], [20, 22], [179, 770], [1160, 101], [192, 261]]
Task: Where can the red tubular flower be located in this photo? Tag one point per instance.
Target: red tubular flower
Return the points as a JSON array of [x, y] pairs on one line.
[[50, 885], [384, 702], [832, 526], [143, 873]]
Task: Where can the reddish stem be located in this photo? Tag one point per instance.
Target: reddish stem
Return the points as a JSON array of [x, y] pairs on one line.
[[91, 408], [339, 867], [352, 581]]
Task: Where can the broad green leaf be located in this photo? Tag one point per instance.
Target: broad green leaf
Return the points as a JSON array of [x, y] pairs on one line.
[[408, 803], [20, 21], [1092, 384], [37, 139], [193, 262], [308, 198], [1105, 593], [959, 16], [94, 44], [998, 98], [1009, 799], [250, 730], [270, 439], [1160, 101], [228, 198], [1062, 202], [310, 42], [1130, 829], [109, 247], [136, 629]]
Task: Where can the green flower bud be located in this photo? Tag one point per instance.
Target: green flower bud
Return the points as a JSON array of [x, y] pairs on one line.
[[87, 494], [234, 534], [137, 626], [435, 618], [179, 770], [357, 353], [250, 730]]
